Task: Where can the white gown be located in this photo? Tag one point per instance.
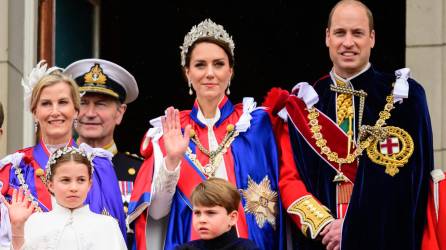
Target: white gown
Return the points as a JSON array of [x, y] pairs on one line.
[[62, 228]]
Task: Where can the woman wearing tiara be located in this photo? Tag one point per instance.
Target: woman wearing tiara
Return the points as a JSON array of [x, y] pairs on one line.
[[54, 100], [215, 138], [71, 224]]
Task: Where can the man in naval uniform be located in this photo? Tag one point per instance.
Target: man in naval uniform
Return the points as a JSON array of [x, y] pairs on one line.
[[106, 90], [356, 147]]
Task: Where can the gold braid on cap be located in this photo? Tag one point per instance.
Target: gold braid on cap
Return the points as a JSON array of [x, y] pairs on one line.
[[207, 28]]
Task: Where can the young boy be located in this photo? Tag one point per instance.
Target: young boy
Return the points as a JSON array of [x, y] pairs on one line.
[[215, 203]]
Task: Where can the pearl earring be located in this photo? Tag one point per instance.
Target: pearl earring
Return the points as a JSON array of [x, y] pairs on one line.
[[190, 87], [228, 92]]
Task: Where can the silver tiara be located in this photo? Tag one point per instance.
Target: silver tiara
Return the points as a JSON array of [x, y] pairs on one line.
[[207, 28], [63, 151]]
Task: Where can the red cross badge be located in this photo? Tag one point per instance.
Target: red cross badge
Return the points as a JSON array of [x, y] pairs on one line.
[[393, 152], [389, 146]]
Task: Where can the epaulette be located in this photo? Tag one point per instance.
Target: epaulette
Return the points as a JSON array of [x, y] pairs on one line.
[[135, 156]]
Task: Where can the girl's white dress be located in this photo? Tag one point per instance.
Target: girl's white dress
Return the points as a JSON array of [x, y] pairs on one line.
[[62, 228]]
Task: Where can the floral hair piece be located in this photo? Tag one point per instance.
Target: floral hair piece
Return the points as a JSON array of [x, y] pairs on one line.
[[63, 151], [36, 74], [207, 28]]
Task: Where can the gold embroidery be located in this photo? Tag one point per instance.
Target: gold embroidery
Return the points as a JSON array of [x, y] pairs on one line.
[[95, 75], [342, 88], [304, 229], [105, 212], [392, 161], [261, 201], [313, 216], [98, 89], [344, 103]]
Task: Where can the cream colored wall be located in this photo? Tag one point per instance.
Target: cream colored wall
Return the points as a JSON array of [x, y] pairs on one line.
[[18, 49], [426, 56], [3, 67]]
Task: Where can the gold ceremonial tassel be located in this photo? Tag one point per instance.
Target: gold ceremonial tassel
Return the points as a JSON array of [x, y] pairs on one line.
[[350, 135]]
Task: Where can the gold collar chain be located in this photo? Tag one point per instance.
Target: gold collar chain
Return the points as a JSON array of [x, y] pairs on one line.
[[215, 156], [229, 133], [365, 138]]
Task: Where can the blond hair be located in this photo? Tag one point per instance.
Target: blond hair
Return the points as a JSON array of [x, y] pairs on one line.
[[216, 192], [49, 80]]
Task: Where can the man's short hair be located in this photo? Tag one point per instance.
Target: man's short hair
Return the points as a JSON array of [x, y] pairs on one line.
[[2, 115], [357, 2], [216, 192]]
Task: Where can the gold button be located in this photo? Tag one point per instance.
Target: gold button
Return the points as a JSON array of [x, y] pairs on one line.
[[192, 133], [132, 171], [230, 127], [126, 209], [39, 172]]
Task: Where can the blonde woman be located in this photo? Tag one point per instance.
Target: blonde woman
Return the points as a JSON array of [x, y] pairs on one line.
[[54, 102]]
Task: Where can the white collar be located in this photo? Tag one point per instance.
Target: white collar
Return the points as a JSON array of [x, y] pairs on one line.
[[208, 121], [59, 209], [354, 76]]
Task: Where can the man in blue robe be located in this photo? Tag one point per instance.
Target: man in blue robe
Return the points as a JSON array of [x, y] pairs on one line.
[[356, 151]]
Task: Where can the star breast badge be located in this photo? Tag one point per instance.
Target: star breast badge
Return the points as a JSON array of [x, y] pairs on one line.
[[261, 201]]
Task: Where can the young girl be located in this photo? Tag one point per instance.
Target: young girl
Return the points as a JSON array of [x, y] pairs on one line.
[[71, 224]]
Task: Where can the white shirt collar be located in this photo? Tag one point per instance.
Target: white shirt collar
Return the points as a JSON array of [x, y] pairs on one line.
[[57, 208], [354, 76], [208, 121]]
